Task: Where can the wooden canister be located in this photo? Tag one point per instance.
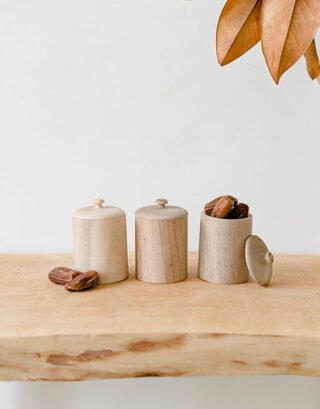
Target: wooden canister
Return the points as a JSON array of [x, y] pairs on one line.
[[100, 241], [161, 243], [222, 257]]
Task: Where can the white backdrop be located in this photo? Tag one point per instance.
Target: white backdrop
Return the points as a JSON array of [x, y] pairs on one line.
[[125, 100]]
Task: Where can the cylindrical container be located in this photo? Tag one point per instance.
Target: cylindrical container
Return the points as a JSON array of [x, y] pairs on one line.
[[222, 244], [100, 241], [161, 243]]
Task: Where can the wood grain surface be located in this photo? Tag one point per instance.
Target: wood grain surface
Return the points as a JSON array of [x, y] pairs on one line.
[[222, 243], [162, 244], [135, 329], [101, 245]]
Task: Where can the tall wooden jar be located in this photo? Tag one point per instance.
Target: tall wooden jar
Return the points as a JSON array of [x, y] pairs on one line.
[[100, 241], [161, 243], [222, 249]]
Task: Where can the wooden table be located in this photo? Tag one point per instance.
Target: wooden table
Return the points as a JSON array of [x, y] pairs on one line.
[[134, 329]]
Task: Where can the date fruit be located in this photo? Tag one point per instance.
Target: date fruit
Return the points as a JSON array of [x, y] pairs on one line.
[[210, 206], [62, 275], [240, 211], [223, 207], [83, 281]]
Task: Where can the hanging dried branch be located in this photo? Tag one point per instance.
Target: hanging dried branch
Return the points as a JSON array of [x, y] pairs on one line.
[[312, 61], [238, 29], [287, 29]]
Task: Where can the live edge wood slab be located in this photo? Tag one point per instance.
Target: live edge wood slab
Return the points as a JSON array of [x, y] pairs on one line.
[[135, 329]]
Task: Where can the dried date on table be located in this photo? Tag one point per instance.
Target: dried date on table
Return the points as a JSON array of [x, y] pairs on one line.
[[223, 207], [83, 281], [62, 275], [209, 206], [240, 211]]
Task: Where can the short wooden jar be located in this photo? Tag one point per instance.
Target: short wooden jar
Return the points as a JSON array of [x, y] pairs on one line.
[[100, 241], [161, 243], [222, 257]]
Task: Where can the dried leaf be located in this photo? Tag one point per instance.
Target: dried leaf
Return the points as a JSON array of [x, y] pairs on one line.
[[238, 29], [287, 29], [312, 61]]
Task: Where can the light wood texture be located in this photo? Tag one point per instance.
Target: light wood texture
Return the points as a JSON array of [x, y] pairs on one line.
[[134, 329], [161, 212], [161, 243], [97, 211], [100, 242], [259, 260], [222, 249]]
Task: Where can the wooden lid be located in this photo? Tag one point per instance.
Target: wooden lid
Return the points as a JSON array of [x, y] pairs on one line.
[[161, 212], [259, 260], [97, 211]]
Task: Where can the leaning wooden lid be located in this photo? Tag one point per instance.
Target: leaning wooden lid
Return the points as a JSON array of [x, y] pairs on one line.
[[98, 212], [259, 260], [161, 212]]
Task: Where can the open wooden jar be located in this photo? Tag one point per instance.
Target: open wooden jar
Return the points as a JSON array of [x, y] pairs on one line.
[[161, 243], [100, 241], [228, 251]]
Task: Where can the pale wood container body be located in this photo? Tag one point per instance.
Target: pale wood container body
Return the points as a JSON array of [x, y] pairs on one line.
[[101, 245], [162, 249], [222, 249]]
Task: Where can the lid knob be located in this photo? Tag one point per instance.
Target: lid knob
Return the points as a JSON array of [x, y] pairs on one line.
[[98, 202], [161, 202], [269, 257]]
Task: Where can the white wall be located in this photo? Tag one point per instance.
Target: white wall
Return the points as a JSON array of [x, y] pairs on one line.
[[166, 393], [125, 99]]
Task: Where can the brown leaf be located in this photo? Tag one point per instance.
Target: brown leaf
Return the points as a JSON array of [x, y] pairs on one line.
[[238, 29], [287, 29], [312, 61]]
